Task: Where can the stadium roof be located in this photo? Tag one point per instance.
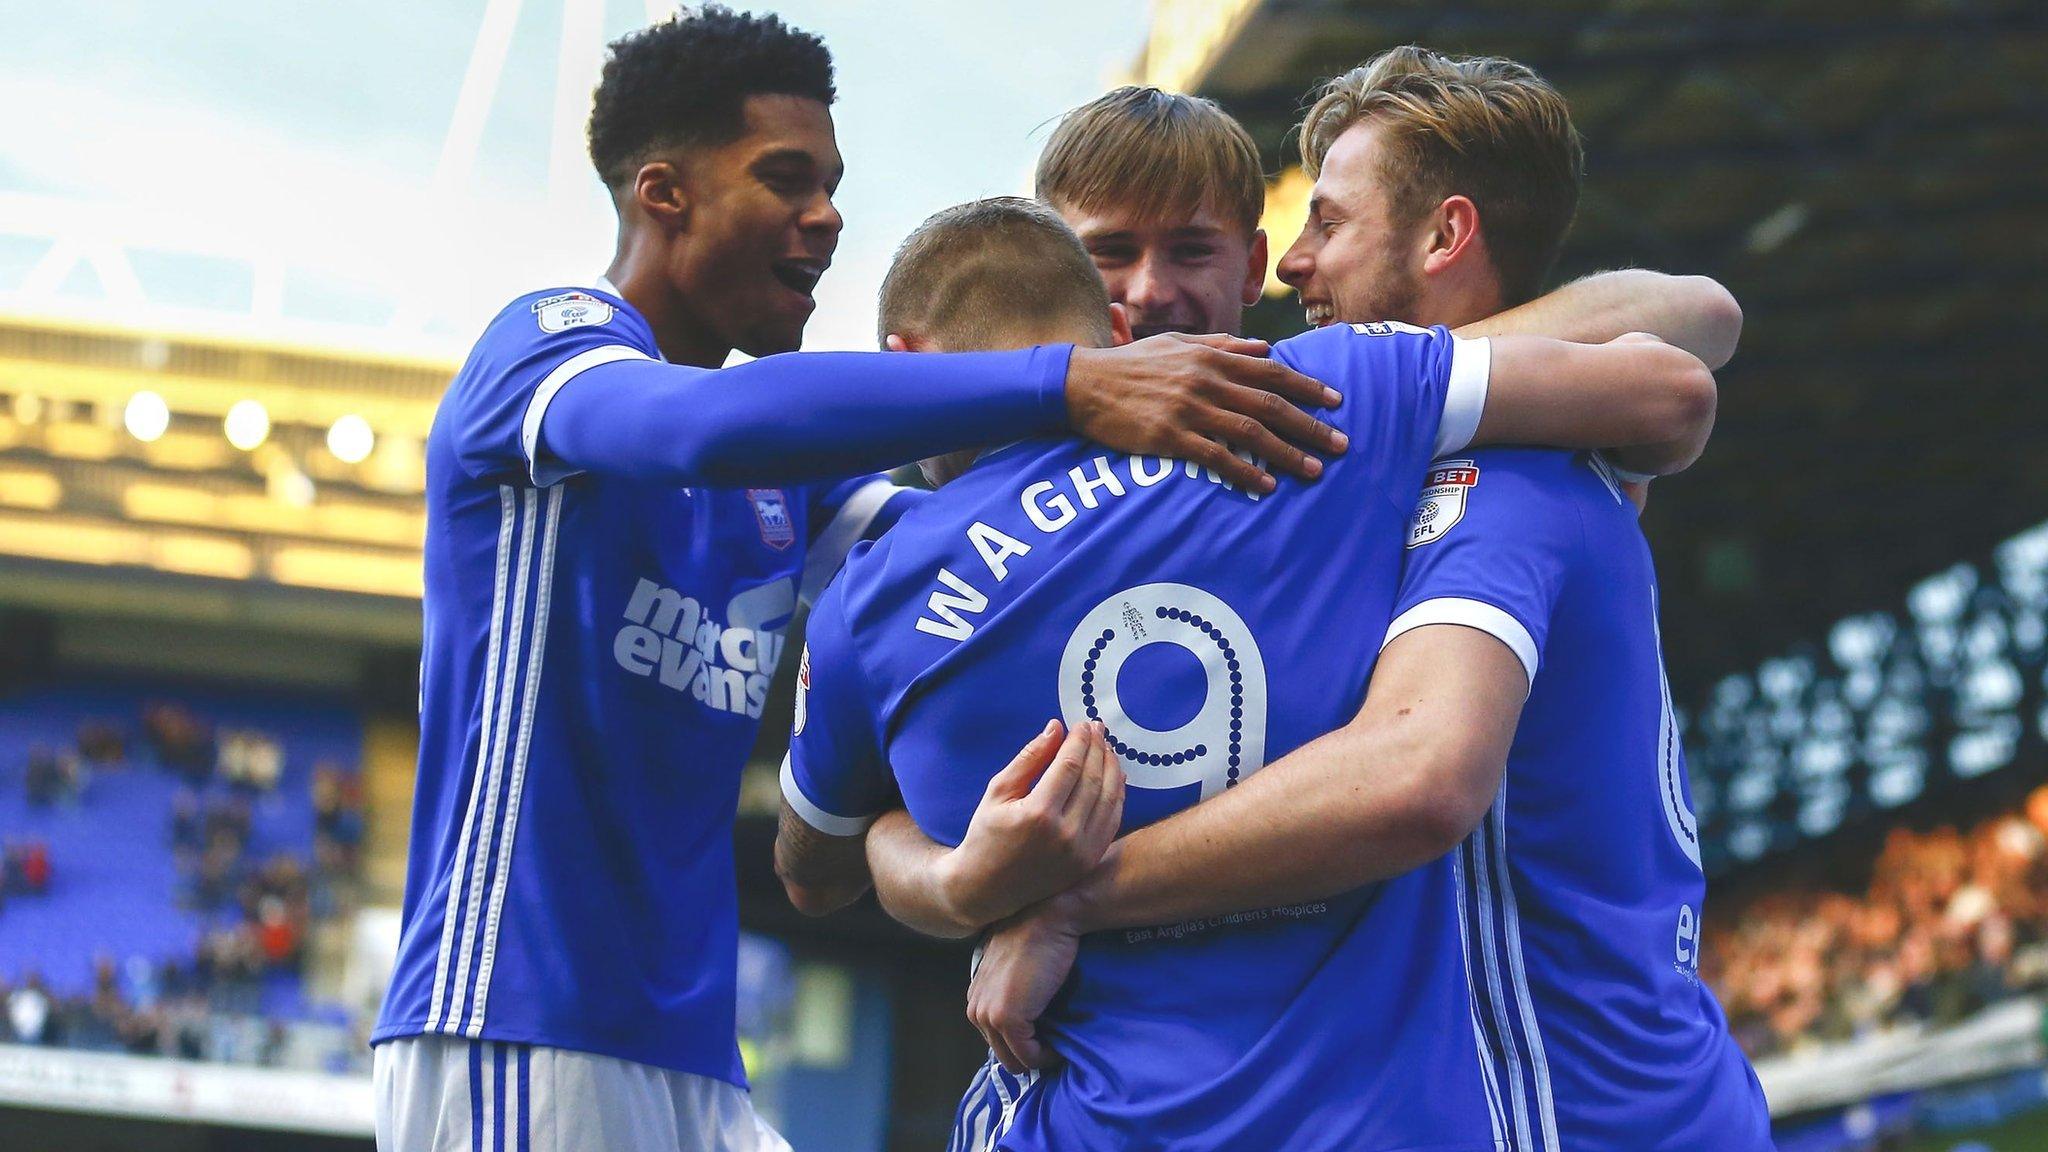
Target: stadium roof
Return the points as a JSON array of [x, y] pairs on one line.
[[1866, 177]]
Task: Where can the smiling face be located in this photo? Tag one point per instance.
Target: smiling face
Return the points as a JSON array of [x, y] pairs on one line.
[[1359, 256], [1192, 274], [760, 227]]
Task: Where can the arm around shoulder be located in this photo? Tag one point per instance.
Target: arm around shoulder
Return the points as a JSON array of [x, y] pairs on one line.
[[1636, 393]]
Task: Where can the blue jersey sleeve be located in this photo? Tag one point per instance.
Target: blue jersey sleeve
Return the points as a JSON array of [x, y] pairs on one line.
[[845, 513], [835, 776], [1410, 394], [529, 351], [1490, 546]]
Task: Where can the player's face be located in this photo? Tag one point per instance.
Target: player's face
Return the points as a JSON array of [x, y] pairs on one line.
[[761, 227], [1176, 275], [1356, 260]]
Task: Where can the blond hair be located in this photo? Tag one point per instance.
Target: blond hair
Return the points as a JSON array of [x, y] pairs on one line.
[[1489, 129], [997, 273], [1159, 154]]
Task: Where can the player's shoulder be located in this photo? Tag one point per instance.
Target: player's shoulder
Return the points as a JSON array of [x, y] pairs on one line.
[[546, 315], [1512, 492], [1346, 342]]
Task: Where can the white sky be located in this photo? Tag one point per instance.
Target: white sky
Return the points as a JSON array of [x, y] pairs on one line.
[[206, 139]]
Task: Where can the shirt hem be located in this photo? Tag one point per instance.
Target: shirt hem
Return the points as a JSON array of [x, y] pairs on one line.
[[723, 1073]]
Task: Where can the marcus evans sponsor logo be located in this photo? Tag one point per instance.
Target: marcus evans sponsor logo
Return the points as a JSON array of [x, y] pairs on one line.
[[672, 638]]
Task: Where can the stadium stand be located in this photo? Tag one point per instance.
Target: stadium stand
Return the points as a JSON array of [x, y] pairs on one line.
[[1951, 923], [170, 855]]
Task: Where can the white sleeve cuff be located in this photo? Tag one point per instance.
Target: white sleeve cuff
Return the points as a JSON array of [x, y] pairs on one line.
[[822, 560], [1471, 614], [815, 816], [1465, 396], [529, 428]]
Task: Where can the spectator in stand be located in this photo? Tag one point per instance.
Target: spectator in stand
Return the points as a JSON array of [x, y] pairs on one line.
[[102, 743], [250, 760], [43, 777], [180, 740], [278, 934], [188, 835], [338, 805], [229, 822], [52, 777], [35, 867], [215, 880], [1949, 924], [28, 1010]]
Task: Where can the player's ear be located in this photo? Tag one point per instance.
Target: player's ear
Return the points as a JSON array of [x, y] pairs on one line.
[[658, 191], [1119, 325], [897, 342], [1255, 269], [1453, 234]]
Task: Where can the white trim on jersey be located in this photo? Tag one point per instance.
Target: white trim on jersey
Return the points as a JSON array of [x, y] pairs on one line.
[[815, 816], [543, 395], [1609, 474], [1512, 908], [529, 698], [823, 559], [1465, 395], [1480, 874], [500, 724], [507, 505], [1496, 1111], [481, 870], [1470, 614], [1483, 876]]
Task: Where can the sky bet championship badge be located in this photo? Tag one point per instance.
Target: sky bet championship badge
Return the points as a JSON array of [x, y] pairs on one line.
[[1443, 501], [772, 511], [571, 310]]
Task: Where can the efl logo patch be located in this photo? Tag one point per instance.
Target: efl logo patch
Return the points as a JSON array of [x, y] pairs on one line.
[[1443, 501], [771, 511], [571, 310], [1388, 328]]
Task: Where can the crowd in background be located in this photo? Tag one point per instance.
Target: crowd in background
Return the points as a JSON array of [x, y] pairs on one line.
[[258, 907], [1951, 922]]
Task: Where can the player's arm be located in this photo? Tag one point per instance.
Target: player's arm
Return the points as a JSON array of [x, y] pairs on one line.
[[1399, 785], [1692, 312], [801, 416], [1043, 822], [1653, 401], [1402, 784], [820, 872], [834, 780]]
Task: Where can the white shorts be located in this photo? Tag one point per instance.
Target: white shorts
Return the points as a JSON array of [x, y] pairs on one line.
[[447, 1094]]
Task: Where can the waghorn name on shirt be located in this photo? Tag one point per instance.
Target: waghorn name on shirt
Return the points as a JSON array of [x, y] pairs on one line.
[[1050, 506]]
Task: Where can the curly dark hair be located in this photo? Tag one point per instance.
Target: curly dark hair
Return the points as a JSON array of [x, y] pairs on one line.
[[684, 81]]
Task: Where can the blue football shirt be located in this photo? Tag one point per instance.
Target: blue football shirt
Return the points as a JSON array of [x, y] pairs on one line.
[[1580, 894], [596, 653], [1211, 632]]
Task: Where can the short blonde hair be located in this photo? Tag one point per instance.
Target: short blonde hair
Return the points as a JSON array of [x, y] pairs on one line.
[[990, 274], [1159, 154], [1481, 127]]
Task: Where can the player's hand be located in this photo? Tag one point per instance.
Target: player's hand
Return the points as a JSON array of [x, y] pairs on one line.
[[1021, 968], [1198, 397], [1043, 823]]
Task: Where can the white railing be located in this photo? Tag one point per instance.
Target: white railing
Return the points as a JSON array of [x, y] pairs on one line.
[[154, 1088]]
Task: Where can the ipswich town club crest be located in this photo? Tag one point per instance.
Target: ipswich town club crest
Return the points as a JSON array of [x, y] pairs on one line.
[[1443, 501], [771, 512], [571, 310]]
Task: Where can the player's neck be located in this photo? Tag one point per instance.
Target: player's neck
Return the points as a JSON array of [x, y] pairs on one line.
[[682, 339], [1455, 306]]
